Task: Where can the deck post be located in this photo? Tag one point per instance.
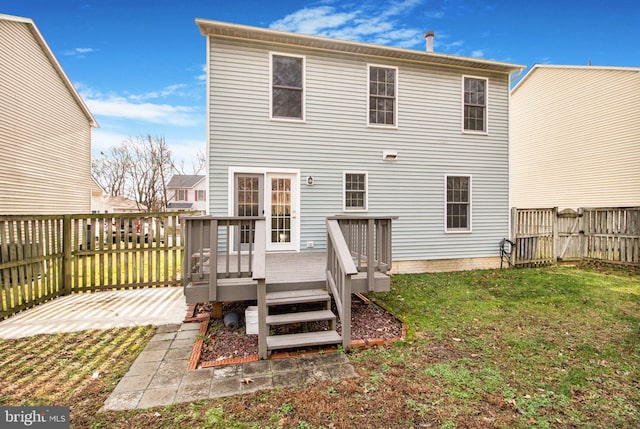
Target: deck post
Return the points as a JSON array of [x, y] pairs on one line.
[[259, 274], [213, 260], [346, 314], [371, 256]]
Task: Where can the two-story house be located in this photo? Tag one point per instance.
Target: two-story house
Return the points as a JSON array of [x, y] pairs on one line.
[[45, 128], [575, 137], [302, 127], [187, 193]]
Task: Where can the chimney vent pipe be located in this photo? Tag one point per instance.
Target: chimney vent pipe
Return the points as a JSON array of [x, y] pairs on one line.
[[428, 36]]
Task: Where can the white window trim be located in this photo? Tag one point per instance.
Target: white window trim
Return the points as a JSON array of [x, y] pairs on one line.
[[459, 231], [304, 88], [344, 192], [396, 104], [486, 107]]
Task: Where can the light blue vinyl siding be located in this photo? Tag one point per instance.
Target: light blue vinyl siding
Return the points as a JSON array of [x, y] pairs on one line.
[[335, 138]]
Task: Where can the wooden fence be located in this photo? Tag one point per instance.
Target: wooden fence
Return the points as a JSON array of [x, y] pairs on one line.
[[42, 257], [546, 236]]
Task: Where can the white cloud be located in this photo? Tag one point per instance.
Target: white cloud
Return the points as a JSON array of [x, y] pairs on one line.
[[366, 23], [478, 53], [134, 106], [163, 93], [79, 52], [103, 140], [120, 107]]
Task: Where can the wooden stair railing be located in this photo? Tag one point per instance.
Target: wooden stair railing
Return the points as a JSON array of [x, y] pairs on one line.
[[340, 269], [368, 239]]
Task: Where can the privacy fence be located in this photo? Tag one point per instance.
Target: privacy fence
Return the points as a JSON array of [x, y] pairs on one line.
[[42, 257], [546, 236]]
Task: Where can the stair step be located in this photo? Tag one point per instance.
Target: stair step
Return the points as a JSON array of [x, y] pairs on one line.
[[297, 296], [300, 317], [303, 340]]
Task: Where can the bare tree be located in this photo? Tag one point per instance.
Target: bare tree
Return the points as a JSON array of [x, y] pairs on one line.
[[111, 171], [139, 168], [151, 167], [198, 165]]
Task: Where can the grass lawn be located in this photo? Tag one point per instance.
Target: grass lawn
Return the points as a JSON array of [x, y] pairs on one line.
[[552, 347]]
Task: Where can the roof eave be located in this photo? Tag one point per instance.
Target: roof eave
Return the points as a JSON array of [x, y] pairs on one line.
[[256, 34]]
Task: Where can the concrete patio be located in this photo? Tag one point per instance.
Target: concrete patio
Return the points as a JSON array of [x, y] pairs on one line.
[[100, 310]]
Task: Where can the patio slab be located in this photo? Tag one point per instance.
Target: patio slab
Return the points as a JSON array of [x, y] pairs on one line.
[[100, 310]]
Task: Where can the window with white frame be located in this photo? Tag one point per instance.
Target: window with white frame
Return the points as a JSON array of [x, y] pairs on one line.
[[458, 207], [382, 95], [475, 104], [355, 191], [201, 195], [181, 195], [287, 87]]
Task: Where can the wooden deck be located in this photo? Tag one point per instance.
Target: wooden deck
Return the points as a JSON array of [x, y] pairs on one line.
[[284, 271]]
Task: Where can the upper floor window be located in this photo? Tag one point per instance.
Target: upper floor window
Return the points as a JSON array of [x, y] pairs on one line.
[[201, 195], [287, 87], [382, 95], [355, 191], [458, 211], [181, 195], [475, 104]]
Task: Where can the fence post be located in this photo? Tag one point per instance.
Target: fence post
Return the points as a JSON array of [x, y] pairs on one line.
[[66, 252], [554, 221], [514, 233]]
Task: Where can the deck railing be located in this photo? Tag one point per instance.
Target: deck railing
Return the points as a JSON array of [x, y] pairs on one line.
[[369, 241], [221, 247], [340, 269]]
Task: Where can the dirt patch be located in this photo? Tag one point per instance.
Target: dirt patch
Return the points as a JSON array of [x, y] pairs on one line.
[[370, 325]]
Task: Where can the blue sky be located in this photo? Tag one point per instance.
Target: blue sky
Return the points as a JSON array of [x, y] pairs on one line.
[[139, 64]]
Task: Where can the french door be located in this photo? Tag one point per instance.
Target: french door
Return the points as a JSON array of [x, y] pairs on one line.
[[274, 196]]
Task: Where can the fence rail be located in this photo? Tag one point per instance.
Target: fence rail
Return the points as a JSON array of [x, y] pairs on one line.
[[605, 234], [42, 257]]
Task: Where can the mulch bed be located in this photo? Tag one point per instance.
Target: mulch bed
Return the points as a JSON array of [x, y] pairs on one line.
[[370, 325]]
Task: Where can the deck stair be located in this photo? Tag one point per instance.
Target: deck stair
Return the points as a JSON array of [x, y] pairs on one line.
[[300, 297]]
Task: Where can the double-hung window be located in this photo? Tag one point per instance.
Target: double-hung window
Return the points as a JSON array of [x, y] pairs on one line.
[[355, 191], [475, 104], [383, 105], [181, 195], [287, 87], [200, 195], [458, 206]]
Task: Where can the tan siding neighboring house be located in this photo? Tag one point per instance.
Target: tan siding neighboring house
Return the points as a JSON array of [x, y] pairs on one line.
[[575, 137], [45, 128]]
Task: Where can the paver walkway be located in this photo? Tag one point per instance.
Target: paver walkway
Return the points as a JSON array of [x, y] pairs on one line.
[[159, 376]]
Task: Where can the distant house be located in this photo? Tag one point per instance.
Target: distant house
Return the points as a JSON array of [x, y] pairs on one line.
[[123, 205], [45, 128], [187, 193], [99, 198], [575, 137], [301, 128]]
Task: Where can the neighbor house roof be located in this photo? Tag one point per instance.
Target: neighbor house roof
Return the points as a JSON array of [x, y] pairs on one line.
[[255, 34], [571, 67], [56, 65], [179, 205], [185, 181]]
